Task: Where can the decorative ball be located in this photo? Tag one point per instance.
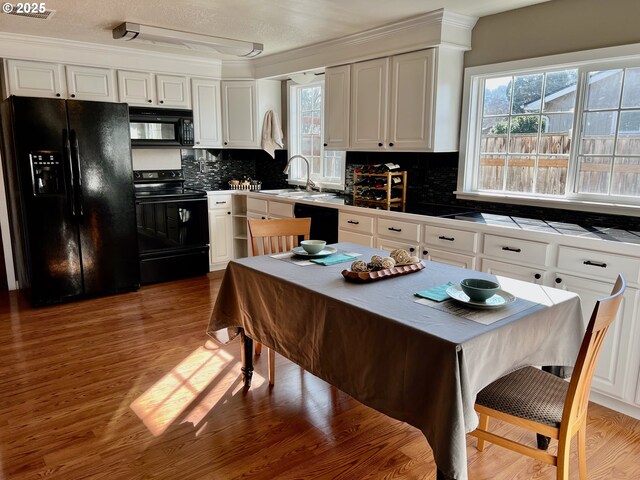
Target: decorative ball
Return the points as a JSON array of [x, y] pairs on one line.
[[388, 262], [376, 260], [359, 266], [414, 259], [400, 256], [374, 267]]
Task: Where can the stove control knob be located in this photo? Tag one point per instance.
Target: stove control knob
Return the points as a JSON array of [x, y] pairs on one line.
[[136, 174]]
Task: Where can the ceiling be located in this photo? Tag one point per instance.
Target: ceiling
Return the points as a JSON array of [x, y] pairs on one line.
[[278, 24]]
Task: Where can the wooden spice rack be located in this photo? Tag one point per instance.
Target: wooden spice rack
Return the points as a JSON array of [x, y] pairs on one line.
[[396, 194]]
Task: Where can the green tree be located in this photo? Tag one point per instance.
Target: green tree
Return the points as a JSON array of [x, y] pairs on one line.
[[520, 124]]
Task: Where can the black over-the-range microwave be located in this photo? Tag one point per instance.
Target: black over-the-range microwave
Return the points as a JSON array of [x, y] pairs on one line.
[[155, 127]]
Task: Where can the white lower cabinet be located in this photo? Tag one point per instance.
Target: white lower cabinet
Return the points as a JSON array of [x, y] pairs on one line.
[[519, 272], [450, 258], [388, 245], [356, 228], [220, 231], [614, 374]]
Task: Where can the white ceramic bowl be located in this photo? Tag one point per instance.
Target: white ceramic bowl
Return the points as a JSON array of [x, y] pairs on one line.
[[313, 246]]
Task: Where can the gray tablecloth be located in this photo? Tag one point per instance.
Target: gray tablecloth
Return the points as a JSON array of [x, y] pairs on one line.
[[414, 363]]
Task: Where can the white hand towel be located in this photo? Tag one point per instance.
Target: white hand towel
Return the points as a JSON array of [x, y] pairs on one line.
[[271, 133]]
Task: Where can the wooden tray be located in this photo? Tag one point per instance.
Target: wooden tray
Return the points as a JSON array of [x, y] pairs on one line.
[[362, 277]]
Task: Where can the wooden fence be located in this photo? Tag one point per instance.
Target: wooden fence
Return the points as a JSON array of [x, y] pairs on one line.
[[594, 174]]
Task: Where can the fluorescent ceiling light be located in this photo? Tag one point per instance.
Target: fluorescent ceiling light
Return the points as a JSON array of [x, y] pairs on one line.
[[193, 41]]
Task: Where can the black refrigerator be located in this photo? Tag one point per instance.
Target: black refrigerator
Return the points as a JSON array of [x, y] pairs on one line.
[[69, 183]]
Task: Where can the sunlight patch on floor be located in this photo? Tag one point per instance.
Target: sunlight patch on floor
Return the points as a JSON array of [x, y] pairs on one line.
[[168, 398]]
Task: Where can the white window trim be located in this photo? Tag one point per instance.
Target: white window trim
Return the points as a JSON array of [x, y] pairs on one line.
[[340, 185], [610, 57]]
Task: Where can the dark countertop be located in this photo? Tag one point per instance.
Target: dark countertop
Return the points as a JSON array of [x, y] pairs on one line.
[[614, 234]]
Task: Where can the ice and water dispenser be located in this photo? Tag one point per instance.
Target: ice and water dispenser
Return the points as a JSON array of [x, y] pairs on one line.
[[47, 173]]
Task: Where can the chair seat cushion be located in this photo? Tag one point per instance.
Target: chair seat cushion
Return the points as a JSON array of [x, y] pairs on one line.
[[527, 393]]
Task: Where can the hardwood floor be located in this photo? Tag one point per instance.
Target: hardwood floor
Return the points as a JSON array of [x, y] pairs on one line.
[[128, 387]]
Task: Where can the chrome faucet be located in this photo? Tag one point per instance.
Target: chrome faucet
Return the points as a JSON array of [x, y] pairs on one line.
[[310, 185]]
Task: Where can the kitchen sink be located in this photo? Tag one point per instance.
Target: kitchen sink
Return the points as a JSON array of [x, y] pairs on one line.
[[280, 191], [293, 193]]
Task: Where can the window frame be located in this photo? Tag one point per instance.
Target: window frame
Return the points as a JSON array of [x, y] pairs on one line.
[[334, 183], [627, 56]]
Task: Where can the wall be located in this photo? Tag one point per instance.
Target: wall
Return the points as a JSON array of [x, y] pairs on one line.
[[559, 26]]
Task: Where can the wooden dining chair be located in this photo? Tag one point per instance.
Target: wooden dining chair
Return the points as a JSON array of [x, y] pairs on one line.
[[544, 403], [274, 236]]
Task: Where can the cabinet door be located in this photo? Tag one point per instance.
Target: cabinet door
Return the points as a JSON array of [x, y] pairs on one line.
[[35, 79], [337, 83], [136, 87], [411, 100], [369, 104], [220, 236], [612, 370], [388, 245], [357, 238], [455, 259], [173, 91], [239, 116], [88, 83], [520, 272], [206, 113]]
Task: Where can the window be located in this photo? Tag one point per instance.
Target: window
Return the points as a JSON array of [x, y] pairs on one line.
[[306, 107], [568, 133]]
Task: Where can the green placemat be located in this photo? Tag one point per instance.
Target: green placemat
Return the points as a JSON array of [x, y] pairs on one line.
[[437, 294], [333, 259]]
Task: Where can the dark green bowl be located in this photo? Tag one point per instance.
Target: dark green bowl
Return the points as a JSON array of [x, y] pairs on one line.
[[479, 289]]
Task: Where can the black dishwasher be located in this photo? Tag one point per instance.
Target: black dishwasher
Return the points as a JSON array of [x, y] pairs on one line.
[[324, 221]]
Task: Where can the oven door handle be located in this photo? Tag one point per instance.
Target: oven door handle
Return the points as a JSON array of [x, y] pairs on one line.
[[146, 201]]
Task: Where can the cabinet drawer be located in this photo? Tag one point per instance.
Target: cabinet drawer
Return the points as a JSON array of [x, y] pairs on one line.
[[450, 238], [281, 209], [516, 250], [256, 205], [401, 230], [355, 223], [219, 202], [600, 264], [358, 238]]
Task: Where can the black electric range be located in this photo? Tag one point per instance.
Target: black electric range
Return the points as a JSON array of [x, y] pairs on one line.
[[172, 225]]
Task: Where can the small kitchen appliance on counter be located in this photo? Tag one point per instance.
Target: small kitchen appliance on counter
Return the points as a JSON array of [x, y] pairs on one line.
[[173, 228]]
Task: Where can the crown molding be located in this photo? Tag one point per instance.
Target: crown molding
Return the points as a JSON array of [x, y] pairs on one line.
[[45, 49], [423, 31]]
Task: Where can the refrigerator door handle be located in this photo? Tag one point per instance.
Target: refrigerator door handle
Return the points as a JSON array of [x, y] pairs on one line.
[[72, 181], [76, 154]]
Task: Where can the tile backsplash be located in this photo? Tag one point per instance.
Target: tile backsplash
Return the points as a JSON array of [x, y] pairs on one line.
[[212, 169], [431, 180]]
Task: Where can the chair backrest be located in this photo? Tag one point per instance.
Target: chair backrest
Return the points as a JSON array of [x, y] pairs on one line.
[[605, 311], [277, 234]]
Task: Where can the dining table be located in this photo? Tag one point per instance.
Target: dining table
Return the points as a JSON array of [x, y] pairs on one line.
[[414, 359]]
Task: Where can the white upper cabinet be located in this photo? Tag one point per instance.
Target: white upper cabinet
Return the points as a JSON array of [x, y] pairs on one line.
[[244, 104], [406, 102], [206, 113], [391, 102], [173, 91], [411, 100], [35, 79], [89, 83], [337, 85], [239, 115], [144, 88], [369, 85], [136, 88]]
